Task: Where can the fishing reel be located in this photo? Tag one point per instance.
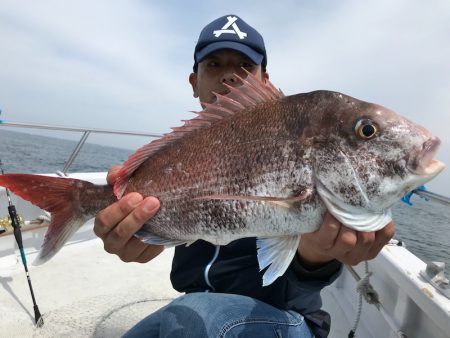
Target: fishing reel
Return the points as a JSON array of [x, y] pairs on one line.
[[6, 224]]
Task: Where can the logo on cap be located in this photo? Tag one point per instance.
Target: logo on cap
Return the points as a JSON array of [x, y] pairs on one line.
[[225, 29]]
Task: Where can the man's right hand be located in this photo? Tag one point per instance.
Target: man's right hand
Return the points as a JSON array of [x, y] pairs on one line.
[[117, 223]]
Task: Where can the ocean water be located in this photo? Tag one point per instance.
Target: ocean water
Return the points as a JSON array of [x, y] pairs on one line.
[[25, 153], [423, 227]]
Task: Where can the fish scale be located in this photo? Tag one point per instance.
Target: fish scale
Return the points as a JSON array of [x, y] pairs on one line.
[[259, 164]]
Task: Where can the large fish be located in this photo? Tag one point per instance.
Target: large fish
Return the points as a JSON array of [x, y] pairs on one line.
[[259, 164]]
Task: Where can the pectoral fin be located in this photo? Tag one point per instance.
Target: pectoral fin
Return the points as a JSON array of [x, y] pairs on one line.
[[277, 253]]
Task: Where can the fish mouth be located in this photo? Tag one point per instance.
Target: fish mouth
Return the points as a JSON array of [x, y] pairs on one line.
[[423, 163]]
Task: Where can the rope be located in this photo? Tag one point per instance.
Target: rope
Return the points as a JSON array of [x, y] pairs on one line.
[[366, 290]]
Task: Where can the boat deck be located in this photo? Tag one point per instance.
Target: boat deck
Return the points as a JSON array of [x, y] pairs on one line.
[[78, 299]]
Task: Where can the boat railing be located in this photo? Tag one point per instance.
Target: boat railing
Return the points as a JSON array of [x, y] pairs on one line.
[[85, 133]]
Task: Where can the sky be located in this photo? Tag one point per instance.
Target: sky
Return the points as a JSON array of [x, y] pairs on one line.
[[124, 65]]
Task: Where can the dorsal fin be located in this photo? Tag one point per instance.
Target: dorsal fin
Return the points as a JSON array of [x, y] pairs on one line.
[[252, 92]]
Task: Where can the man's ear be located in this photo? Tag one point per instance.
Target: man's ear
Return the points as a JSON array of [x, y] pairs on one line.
[[265, 76], [193, 82]]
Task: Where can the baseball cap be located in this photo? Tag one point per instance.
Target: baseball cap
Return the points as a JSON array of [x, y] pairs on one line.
[[230, 32]]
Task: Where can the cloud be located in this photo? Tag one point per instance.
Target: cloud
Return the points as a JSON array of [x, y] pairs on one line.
[[102, 59]]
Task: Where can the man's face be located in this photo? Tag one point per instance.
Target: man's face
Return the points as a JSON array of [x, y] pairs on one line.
[[219, 68]]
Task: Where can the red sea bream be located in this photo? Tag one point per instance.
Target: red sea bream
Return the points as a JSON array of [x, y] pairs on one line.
[[259, 164]]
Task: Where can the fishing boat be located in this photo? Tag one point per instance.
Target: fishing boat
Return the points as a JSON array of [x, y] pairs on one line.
[[86, 292]]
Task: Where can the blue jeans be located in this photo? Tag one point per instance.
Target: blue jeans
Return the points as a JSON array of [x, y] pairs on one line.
[[203, 314]]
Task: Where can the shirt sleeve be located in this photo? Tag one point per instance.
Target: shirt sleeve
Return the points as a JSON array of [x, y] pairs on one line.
[[327, 272]]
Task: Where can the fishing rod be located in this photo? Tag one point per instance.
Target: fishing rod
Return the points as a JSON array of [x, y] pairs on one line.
[[39, 321], [433, 196], [427, 195]]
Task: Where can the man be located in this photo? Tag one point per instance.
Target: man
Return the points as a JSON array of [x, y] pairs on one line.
[[225, 296]]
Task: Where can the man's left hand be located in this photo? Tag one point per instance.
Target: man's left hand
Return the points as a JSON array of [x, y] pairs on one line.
[[336, 241]]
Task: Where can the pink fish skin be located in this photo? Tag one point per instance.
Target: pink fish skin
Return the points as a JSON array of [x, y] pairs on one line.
[[255, 163]]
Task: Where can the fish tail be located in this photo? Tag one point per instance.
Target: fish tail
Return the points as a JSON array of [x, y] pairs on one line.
[[71, 203]]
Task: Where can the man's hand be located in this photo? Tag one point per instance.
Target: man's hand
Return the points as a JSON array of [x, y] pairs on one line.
[[335, 241], [117, 223]]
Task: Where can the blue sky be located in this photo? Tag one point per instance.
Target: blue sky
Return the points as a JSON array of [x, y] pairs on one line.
[[124, 64]]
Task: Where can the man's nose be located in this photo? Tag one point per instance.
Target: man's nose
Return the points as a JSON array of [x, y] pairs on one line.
[[229, 78]]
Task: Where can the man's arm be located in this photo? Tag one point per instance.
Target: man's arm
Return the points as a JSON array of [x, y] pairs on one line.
[[117, 223]]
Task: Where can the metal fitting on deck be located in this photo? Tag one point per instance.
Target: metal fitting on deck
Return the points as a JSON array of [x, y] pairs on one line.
[[435, 274]]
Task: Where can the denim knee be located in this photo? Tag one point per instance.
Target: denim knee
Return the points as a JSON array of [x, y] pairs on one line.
[[221, 315], [293, 325]]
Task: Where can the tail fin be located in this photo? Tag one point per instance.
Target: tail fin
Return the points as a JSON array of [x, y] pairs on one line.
[[71, 203]]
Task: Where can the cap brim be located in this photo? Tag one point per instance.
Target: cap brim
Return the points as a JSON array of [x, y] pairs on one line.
[[215, 46]]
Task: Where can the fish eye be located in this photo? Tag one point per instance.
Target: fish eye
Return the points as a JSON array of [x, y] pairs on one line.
[[366, 129]]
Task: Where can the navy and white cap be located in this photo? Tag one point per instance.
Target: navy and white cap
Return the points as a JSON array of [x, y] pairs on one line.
[[230, 32]]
